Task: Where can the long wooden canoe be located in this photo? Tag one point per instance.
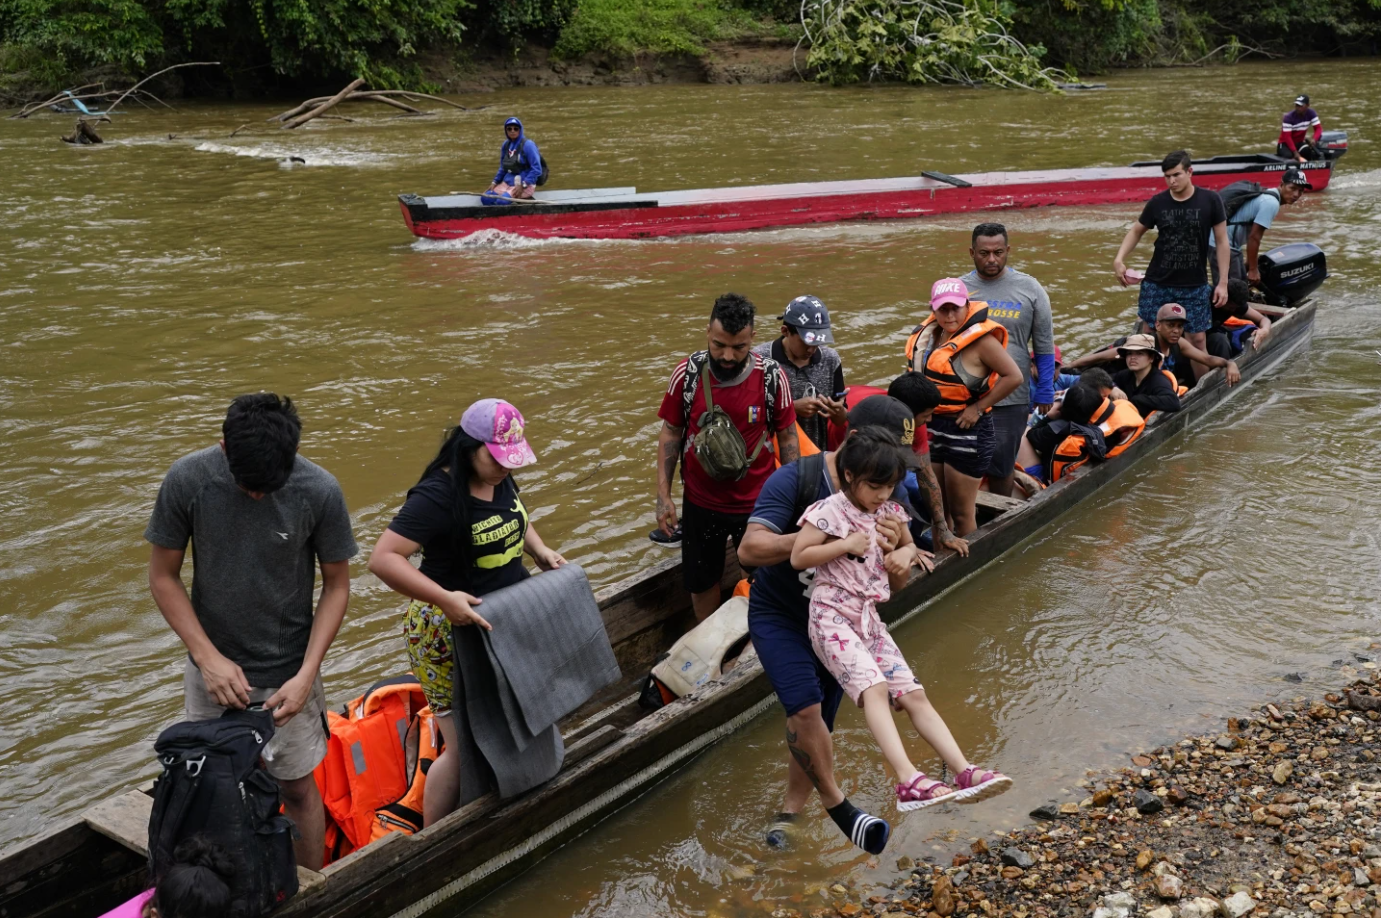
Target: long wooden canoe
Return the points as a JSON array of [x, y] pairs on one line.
[[93, 861], [623, 213]]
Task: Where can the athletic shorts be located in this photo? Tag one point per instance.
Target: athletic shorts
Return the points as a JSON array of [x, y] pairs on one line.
[[427, 639], [1009, 426], [1195, 300], [782, 643], [297, 747], [968, 452], [704, 538]]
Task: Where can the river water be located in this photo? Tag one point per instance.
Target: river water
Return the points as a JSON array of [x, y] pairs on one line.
[[146, 282]]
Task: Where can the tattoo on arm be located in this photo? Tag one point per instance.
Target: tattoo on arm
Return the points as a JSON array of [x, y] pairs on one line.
[[931, 487], [669, 452], [791, 449], [802, 758]]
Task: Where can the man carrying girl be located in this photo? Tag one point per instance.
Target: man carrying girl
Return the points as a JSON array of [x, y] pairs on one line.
[[840, 539]]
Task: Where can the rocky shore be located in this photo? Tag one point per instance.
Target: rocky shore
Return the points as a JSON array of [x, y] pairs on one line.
[[1276, 817]]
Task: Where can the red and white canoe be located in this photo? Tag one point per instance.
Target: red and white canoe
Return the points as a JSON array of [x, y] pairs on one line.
[[622, 213]]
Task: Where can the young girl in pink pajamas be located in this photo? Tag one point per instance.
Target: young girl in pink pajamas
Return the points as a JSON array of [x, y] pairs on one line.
[[839, 538]]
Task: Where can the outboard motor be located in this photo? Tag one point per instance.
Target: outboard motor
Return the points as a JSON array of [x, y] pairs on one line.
[[1333, 144], [1291, 272]]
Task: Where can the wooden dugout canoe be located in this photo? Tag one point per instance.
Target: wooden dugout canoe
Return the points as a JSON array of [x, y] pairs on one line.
[[623, 213], [89, 863]]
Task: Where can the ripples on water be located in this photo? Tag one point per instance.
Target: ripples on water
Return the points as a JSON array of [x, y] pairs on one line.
[[145, 283]]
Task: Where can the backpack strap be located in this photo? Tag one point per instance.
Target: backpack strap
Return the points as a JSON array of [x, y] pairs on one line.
[[808, 472]]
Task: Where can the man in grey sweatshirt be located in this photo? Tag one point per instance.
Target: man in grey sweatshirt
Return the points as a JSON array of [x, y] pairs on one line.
[[1020, 304]]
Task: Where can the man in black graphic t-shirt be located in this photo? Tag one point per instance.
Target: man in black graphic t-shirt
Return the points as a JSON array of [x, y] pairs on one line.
[[1183, 217]]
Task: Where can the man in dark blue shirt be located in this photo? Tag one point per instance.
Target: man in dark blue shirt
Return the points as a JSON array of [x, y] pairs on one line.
[[778, 610]]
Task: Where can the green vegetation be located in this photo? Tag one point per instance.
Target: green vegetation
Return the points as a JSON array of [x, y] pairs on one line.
[[626, 27], [285, 44], [921, 41]]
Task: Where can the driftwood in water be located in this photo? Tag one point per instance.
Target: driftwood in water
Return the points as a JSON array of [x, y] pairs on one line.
[[323, 107], [98, 92], [382, 96], [84, 133]]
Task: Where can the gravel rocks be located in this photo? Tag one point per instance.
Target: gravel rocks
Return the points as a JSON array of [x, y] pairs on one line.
[[1279, 817]]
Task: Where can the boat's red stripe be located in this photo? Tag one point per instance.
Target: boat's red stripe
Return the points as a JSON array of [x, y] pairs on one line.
[[722, 217]]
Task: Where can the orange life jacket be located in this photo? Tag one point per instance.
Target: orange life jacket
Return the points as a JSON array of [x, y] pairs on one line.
[[1115, 419], [940, 365], [377, 757], [1175, 384]]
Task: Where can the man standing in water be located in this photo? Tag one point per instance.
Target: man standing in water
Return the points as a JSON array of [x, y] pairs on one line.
[[778, 613], [261, 518], [720, 411], [1019, 303], [1183, 217]]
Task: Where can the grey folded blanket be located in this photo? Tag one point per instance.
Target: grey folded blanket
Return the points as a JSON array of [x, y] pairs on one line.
[[548, 653]]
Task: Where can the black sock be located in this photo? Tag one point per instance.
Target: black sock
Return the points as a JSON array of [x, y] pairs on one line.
[[776, 836], [868, 832]]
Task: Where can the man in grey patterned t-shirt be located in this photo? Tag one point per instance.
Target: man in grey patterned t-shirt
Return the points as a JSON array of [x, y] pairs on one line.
[[260, 518], [814, 371]]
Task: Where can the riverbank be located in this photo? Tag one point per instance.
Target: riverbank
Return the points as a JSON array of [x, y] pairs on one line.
[[1276, 815]]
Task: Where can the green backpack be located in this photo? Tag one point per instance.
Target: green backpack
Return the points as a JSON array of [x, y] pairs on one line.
[[719, 446]]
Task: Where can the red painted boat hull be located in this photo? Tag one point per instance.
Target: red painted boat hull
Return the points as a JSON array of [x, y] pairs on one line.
[[761, 207]]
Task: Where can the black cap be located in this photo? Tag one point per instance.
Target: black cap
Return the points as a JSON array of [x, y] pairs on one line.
[[888, 413], [809, 315], [1301, 99], [1296, 177]]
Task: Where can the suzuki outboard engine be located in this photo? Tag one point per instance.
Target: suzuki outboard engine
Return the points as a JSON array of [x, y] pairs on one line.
[[1333, 144], [1291, 272]]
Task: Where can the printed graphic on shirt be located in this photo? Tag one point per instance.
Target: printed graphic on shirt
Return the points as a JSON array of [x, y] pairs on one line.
[[1004, 309], [498, 539]]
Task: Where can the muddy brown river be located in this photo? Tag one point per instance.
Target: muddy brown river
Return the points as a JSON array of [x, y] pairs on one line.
[[146, 282]]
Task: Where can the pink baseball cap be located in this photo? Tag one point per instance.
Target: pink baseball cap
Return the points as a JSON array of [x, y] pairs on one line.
[[948, 291], [500, 426]]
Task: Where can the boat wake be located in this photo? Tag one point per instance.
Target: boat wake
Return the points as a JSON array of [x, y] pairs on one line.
[[491, 239], [1368, 179], [289, 156]]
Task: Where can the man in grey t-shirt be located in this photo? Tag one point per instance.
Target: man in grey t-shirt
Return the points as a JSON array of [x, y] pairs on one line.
[[259, 518], [1020, 304]]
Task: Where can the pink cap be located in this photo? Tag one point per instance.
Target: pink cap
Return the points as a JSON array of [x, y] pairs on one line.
[[949, 290], [500, 426]]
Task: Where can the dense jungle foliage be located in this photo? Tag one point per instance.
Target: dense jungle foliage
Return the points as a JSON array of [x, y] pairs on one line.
[[264, 44]]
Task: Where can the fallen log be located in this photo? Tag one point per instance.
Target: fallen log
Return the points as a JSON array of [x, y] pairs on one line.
[[323, 107], [83, 133], [371, 95]]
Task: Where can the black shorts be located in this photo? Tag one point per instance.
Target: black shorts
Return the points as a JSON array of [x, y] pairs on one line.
[[704, 534], [968, 452], [1009, 426]]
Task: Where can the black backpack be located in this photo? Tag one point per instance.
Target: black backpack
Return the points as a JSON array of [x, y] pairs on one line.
[[1236, 195], [214, 785], [546, 173]]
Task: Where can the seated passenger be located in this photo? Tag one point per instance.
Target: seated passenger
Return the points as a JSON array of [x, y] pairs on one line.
[[1142, 383], [1096, 378], [1237, 324], [1178, 355], [1038, 446], [520, 167], [1064, 445]]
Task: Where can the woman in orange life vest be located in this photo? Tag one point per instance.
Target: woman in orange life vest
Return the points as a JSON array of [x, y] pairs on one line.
[[965, 354], [1052, 448], [472, 538]]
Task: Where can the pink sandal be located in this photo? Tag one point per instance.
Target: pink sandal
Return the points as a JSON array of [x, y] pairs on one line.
[[973, 784], [921, 792]]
